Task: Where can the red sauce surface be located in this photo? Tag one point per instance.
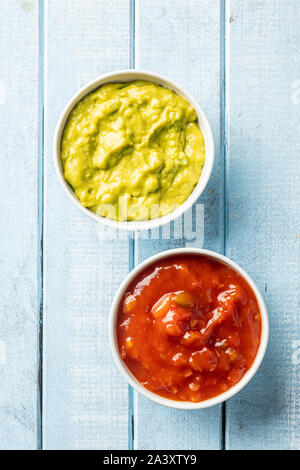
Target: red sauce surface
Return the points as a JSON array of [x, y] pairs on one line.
[[189, 327]]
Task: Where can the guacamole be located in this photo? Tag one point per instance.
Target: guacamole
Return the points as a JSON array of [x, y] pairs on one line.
[[132, 151]]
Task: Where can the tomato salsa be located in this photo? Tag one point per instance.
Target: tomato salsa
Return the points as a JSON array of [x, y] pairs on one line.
[[188, 327]]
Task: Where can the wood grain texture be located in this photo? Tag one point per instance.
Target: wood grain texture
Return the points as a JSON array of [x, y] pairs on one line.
[[85, 403], [264, 190], [18, 221], [181, 40]]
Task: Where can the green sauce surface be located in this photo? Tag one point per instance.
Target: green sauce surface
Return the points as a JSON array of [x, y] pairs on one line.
[[132, 151]]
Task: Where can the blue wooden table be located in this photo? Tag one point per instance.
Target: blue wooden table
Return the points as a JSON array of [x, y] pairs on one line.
[[59, 388]]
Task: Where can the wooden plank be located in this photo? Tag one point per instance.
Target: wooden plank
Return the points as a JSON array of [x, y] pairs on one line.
[[19, 224], [264, 192], [181, 40], [85, 398]]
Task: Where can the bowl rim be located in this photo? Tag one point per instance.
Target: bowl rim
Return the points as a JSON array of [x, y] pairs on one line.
[[185, 404], [127, 75]]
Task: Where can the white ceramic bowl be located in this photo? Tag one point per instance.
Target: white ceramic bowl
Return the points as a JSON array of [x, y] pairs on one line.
[[128, 76], [186, 404]]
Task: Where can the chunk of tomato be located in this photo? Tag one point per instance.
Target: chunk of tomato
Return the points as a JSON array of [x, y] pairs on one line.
[[170, 317], [206, 359]]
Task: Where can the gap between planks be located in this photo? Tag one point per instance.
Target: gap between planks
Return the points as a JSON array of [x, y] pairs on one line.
[[131, 241], [40, 271], [224, 96]]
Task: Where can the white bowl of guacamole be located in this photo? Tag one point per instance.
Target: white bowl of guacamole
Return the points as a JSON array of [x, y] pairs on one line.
[[133, 150]]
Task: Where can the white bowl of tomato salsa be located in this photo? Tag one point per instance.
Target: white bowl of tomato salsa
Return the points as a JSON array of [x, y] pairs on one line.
[[188, 328]]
